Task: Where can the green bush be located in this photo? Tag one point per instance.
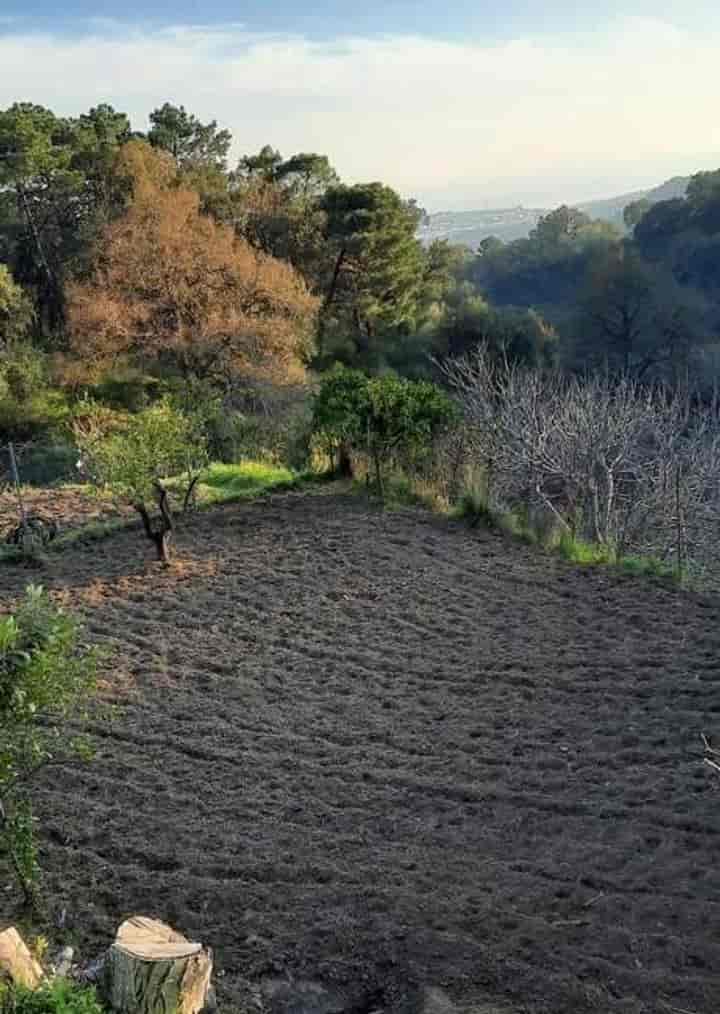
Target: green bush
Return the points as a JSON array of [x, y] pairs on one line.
[[16, 310], [46, 464], [29, 406], [128, 390], [57, 997], [23, 371], [46, 678], [379, 416], [223, 428]]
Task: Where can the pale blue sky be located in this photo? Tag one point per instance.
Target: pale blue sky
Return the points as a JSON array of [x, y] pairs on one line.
[[449, 19], [456, 102]]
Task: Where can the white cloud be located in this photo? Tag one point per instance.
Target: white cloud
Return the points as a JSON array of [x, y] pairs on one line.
[[530, 119]]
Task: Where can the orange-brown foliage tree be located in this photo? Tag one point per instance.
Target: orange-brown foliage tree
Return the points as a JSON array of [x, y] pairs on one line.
[[169, 284]]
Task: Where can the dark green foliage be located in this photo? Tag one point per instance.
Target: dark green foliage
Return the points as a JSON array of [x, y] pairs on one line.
[[57, 997], [192, 143], [374, 283], [262, 166], [275, 204], [683, 235], [545, 270], [44, 464], [22, 372], [338, 412], [16, 312], [128, 390], [30, 406], [564, 223], [637, 320], [378, 416], [660, 225], [636, 211], [515, 336], [53, 176]]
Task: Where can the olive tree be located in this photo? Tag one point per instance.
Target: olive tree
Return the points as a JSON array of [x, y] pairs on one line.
[[135, 458], [46, 679]]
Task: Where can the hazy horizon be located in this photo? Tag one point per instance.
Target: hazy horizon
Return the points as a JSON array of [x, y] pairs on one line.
[[456, 105]]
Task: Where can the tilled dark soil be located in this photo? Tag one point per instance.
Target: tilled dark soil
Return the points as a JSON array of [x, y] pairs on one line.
[[70, 507], [378, 750]]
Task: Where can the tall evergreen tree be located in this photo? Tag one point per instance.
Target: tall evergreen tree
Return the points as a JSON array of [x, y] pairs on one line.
[[374, 282]]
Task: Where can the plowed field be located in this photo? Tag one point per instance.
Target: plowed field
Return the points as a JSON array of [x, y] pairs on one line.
[[379, 750]]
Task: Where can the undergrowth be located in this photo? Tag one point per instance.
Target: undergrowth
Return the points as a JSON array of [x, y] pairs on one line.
[[57, 997]]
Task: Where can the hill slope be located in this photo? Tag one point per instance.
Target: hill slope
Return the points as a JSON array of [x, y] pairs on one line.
[[471, 227], [381, 751]]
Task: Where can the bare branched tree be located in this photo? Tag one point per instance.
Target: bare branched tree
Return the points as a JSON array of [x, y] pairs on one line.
[[633, 468]]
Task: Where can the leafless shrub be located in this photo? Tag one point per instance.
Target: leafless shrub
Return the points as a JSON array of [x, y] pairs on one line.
[[632, 468]]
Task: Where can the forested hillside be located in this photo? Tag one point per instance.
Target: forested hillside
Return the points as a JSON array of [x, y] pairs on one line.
[[151, 251]]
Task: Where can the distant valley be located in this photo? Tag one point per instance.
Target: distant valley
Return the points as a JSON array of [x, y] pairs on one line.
[[471, 227]]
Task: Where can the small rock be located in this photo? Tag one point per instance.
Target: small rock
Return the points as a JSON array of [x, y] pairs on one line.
[[436, 1001], [64, 961], [93, 971], [303, 997]]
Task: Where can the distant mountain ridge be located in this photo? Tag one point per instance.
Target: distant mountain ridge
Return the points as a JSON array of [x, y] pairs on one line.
[[471, 227], [611, 209]]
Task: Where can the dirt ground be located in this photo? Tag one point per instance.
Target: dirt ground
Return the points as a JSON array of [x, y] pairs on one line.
[[381, 751], [70, 507]]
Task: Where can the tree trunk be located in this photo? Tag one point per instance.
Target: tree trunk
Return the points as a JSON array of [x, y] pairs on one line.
[[151, 969], [190, 494], [378, 475], [16, 961], [160, 535], [344, 469], [328, 301], [163, 541]]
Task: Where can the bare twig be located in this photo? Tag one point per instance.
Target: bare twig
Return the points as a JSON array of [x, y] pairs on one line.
[[706, 744]]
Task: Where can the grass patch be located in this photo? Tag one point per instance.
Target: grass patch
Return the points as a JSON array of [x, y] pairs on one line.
[[587, 554], [225, 483], [650, 566], [473, 508]]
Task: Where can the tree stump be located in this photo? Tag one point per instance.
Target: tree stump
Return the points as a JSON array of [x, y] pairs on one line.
[[16, 961], [151, 969]]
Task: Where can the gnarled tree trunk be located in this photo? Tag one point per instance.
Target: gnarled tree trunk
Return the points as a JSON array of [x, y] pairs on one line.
[[344, 467], [160, 534], [151, 969]]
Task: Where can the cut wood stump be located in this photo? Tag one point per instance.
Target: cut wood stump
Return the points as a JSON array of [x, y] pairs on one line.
[[151, 969], [16, 962]]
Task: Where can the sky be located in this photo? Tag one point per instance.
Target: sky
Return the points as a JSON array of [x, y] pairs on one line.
[[459, 104]]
